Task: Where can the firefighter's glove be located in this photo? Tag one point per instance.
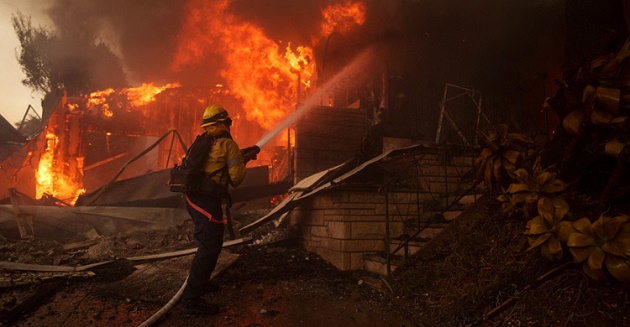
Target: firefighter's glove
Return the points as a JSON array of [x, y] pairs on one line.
[[250, 153]]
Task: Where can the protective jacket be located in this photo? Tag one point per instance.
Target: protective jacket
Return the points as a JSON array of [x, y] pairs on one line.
[[226, 156]]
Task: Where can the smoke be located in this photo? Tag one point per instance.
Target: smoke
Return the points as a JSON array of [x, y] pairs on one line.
[[489, 45], [143, 33], [282, 20]]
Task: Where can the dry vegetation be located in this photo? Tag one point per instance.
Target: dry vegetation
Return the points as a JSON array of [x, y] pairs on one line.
[[480, 274]]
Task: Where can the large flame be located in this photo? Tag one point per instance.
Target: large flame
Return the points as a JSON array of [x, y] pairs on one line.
[[261, 73], [256, 70], [266, 76], [51, 178]]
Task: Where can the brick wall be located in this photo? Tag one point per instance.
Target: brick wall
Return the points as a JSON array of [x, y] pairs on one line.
[[342, 224], [437, 175], [326, 137]]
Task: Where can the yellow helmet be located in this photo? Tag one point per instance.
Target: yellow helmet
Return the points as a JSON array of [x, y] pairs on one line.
[[215, 114]]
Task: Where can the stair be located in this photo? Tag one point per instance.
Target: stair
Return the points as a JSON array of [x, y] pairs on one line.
[[443, 177], [413, 246], [377, 263]]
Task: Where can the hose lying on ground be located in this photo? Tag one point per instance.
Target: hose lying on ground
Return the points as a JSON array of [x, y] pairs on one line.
[[168, 306]]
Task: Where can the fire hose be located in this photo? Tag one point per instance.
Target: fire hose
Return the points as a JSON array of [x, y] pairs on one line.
[[251, 152], [168, 306]]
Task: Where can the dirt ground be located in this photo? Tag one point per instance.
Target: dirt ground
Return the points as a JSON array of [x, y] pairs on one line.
[[477, 273], [277, 284]]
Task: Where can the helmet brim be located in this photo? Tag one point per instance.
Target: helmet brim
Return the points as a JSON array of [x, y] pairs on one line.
[[227, 121]]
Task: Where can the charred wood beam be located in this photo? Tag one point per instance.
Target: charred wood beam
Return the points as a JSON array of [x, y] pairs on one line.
[[102, 162]]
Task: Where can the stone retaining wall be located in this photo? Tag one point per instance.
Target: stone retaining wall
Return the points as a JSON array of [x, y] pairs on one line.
[[341, 225]]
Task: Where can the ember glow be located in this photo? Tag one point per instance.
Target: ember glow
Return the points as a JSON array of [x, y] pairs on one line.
[[51, 178]]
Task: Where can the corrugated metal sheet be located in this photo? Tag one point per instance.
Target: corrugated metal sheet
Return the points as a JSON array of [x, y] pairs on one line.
[[152, 190], [322, 181]]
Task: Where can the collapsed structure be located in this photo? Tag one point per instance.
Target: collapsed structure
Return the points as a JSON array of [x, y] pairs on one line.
[[123, 154], [361, 188], [100, 157]]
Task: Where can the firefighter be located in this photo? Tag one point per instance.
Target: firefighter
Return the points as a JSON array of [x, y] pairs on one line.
[[224, 166]]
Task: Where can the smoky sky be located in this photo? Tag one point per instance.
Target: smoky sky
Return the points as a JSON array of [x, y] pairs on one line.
[[480, 43], [143, 32]]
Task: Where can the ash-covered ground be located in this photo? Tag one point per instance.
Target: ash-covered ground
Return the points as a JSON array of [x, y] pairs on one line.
[[478, 274], [268, 281]]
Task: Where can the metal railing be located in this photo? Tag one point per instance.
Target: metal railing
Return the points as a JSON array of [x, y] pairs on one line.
[[410, 180]]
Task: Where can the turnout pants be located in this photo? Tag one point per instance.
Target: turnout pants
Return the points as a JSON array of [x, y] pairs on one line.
[[207, 214]]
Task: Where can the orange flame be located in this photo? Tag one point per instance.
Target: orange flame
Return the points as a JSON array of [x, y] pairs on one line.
[[106, 112], [264, 80], [342, 17], [146, 93], [100, 97], [44, 174], [137, 96], [51, 179], [255, 70]]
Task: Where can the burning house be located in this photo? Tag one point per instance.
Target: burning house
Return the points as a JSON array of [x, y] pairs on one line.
[[331, 103], [368, 114], [91, 140]]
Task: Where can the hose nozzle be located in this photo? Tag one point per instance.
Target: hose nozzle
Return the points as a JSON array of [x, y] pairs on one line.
[[250, 153]]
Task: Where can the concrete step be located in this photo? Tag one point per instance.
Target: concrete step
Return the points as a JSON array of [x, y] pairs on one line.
[[452, 215], [377, 263], [413, 246]]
